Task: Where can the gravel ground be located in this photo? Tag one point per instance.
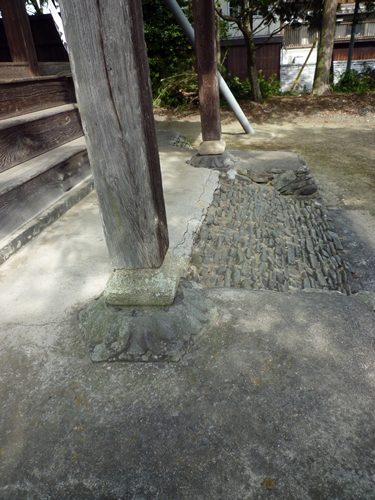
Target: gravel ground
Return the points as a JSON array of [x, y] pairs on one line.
[[334, 134]]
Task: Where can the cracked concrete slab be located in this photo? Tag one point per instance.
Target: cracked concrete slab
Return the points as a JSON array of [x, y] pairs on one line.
[[188, 193], [274, 401]]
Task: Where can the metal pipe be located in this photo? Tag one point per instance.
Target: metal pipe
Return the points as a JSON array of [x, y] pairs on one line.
[[188, 31]]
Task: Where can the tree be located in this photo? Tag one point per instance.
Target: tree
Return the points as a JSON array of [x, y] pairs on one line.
[[370, 5], [167, 49], [35, 6], [38, 6], [327, 36], [243, 15], [352, 35]]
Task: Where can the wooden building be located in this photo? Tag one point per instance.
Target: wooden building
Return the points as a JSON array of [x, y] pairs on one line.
[[44, 168], [268, 56], [285, 53]]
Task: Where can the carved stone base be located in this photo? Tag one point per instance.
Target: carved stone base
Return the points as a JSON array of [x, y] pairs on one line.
[[147, 333], [224, 161]]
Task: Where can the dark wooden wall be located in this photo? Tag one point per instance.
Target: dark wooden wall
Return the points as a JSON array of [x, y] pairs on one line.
[[46, 39], [362, 51], [268, 57]]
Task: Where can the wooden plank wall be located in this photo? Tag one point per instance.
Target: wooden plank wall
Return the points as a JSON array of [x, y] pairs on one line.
[[366, 50], [47, 42], [268, 58]]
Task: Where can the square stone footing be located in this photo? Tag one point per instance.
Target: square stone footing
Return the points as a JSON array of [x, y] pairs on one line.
[[146, 287]]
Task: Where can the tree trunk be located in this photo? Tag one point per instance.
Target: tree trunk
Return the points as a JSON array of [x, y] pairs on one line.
[[324, 60], [352, 36], [111, 75], [252, 71]]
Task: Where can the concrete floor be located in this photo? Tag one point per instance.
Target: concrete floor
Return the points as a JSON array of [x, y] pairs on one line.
[[275, 401]]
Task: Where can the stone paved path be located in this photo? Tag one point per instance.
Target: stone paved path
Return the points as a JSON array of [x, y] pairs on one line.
[[253, 237]]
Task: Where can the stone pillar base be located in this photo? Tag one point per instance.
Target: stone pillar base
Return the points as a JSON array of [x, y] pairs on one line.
[[224, 161], [145, 287], [212, 147], [147, 333]]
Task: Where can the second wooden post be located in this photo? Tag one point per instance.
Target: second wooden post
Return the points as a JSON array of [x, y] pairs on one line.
[[206, 64]]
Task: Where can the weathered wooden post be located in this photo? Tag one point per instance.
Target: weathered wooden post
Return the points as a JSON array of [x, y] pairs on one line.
[[206, 64], [111, 74], [212, 148], [110, 70]]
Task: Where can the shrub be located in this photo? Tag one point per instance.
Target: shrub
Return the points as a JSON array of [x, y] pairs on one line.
[[178, 90], [168, 51], [353, 81], [241, 89], [181, 89], [270, 88]]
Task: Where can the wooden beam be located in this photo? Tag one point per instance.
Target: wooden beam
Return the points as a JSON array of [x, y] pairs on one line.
[[110, 69], [18, 32], [206, 64]]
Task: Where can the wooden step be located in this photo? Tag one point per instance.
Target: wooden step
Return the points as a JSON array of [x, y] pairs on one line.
[[29, 188], [27, 136], [26, 95], [10, 71]]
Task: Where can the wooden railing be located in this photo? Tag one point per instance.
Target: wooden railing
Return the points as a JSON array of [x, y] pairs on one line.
[[363, 30], [303, 36], [299, 36]]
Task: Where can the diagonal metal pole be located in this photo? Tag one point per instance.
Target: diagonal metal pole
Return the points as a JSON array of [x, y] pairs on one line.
[[188, 31]]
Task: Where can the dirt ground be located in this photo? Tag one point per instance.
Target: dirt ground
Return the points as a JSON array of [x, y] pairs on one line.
[[335, 135]]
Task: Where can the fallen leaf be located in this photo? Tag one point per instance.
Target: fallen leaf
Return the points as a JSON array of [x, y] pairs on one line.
[[268, 483]]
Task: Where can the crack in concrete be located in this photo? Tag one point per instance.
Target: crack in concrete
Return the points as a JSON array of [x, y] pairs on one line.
[[203, 212]]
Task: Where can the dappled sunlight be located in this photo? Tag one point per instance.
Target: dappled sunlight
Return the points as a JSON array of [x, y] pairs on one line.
[[190, 129], [280, 386], [67, 263]]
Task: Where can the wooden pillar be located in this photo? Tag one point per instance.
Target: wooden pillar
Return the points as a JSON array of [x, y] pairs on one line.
[[18, 33], [110, 70], [206, 63]]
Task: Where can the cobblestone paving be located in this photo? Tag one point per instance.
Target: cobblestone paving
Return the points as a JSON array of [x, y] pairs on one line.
[[255, 238]]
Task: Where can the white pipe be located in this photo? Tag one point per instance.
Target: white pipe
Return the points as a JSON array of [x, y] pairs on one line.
[[224, 89], [58, 23]]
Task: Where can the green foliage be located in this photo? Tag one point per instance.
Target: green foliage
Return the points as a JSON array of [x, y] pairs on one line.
[[38, 6], [353, 81], [178, 90], [269, 88], [181, 90], [169, 53], [35, 6], [242, 89]]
